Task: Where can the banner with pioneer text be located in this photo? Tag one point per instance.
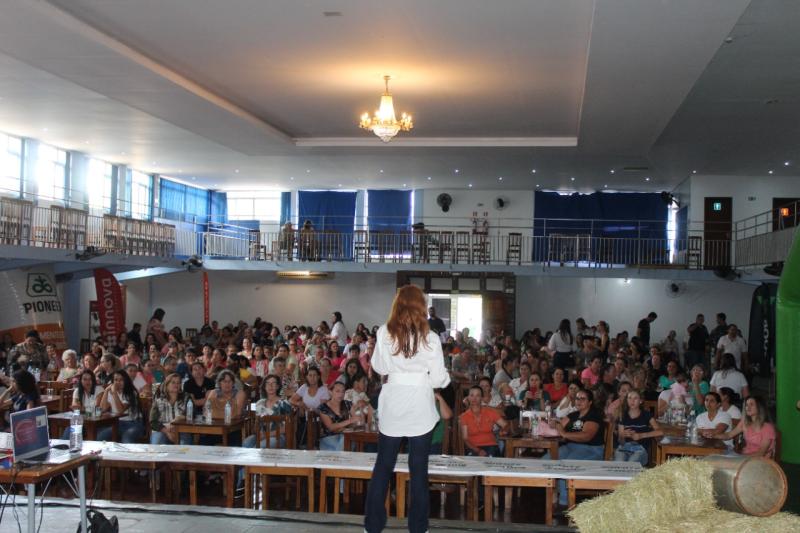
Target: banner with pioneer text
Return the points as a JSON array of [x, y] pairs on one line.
[[110, 305], [29, 300]]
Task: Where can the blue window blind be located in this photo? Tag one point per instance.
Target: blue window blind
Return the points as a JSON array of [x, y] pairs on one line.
[[389, 210], [219, 207], [183, 202], [286, 207], [328, 210]]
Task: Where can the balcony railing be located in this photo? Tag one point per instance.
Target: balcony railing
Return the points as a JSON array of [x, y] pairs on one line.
[[758, 240]]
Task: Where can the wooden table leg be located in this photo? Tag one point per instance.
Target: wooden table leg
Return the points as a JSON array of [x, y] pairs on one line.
[[230, 485], [115, 431], [401, 494], [487, 502], [153, 491], [264, 492], [248, 490], [107, 482], [336, 495], [570, 494], [310, 491], [323, 492], [554, 451], [91, 432], [548, 501], [192, 487], [224, 438]]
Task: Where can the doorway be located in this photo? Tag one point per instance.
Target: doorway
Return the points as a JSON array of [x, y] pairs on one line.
[[459, 311], [784, 213], [718, 221]]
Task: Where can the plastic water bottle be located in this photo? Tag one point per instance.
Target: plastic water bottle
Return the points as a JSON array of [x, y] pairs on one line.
[[535, 426], [690, 426], [228, 412], [76, 432], [190, 411], [208, 413]]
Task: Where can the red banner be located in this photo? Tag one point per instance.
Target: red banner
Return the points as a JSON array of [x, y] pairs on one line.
[[206, 310], [109, 299]]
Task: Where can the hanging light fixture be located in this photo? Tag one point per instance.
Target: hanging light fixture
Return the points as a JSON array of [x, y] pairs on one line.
[[384, 124]]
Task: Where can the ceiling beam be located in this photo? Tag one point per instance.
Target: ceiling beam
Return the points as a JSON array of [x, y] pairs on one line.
[[427, 142]]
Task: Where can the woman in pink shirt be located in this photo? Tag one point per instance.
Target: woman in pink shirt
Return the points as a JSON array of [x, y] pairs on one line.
[[759, 433], [591, 375]]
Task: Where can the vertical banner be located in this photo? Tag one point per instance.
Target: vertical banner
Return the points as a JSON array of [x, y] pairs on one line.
[[206, 309], [761, 344], [29, 300], [109, 299]]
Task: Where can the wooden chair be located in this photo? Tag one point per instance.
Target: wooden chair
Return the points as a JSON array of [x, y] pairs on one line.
[[312, 430], [462, 247], [432, 243], [514, 249], [446, 246], [480, 248]]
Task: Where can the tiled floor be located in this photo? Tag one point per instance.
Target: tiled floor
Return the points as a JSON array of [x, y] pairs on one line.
[[61, 516]]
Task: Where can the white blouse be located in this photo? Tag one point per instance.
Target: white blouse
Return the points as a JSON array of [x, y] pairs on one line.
[[406, 406]]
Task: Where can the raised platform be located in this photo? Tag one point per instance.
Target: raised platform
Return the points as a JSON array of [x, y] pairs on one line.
[[61, 516]]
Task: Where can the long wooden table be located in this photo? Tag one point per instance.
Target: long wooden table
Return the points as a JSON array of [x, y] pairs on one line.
[[675, 443], [216, 427], [91, 424]]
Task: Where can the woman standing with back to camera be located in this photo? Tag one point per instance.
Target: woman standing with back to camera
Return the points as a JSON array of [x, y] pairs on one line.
[[410, 354]]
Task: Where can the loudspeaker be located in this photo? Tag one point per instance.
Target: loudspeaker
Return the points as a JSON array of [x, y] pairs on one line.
[[444, 200]]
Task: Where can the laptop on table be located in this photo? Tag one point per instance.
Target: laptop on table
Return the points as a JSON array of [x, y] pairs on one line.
[[30, 438]]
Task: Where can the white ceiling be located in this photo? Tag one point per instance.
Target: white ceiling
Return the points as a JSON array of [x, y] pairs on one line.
[[201, 89]]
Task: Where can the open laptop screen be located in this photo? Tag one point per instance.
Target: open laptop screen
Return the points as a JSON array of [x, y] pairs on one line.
[[29, 433]]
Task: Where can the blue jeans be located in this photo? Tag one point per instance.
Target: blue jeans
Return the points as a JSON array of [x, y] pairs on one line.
[[332, 443], [419, 448], [130, 431], [574, 451], [157, 437], [631, 451]]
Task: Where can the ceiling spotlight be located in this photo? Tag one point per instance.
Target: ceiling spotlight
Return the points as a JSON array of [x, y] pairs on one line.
[[605, 186], [786, 163], [456, 171], [44, 129], [216, 185], [180, 171], [340, 185], [533, 171], [381, 171], [291, 178], [194, 178], [470, 185], [537, 185], [308, 171], [770, 172], [153, 163], [122, 153], [647, 178], [404, 185], [572, 178], [612, 170], [429, 178], [500, 178], [236, 170], [694, 172]]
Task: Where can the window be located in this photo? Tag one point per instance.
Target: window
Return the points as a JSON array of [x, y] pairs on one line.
[[50, 172], [99, 184], [10, 164], [141, 186], [254, 205]]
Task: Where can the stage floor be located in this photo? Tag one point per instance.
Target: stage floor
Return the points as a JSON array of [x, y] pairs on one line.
[[61, 516]]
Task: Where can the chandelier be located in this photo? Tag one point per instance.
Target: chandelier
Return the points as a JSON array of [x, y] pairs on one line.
[[384, 124]]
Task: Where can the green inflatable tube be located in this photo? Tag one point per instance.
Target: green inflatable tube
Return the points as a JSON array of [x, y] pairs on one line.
[[787, 355]]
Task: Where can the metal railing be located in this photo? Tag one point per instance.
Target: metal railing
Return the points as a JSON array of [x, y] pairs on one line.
[[757, 240], [23, 224]]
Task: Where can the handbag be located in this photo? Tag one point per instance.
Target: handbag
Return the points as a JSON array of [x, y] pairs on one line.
[[98, 523]]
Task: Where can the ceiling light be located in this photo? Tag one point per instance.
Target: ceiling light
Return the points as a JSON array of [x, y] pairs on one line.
[[291, 178], [537, 185], [404, 185], [786, 163], [694, 172], [44, 129], [456, 171], [533, 171], [500, 178], [612, 171], [381, 171], [771, 172], [308, 171], [647, 178], [180, 170], [340, 185], [236, 170], [216, 185], [194, 178], [429, 178], [85, 142], [605, 186], [470, 185], [384, 124], [572, 178]]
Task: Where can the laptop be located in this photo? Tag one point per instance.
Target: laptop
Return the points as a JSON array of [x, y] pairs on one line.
[[30, 438]]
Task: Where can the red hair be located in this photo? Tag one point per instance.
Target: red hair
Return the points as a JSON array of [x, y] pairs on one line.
[[408, 322]]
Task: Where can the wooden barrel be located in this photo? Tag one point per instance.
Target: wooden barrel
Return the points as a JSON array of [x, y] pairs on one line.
[[751, 485]]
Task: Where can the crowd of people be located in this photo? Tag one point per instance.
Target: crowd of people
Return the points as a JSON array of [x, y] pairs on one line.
[[580, 376]]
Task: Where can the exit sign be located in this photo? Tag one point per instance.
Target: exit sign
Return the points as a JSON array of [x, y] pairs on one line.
[[717, 206]]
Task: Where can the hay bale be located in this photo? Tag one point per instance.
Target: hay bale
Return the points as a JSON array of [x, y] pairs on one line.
[[719, 520], [663, 495]]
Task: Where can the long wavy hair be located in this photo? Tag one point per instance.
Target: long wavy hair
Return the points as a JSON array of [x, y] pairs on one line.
[[408, 322]]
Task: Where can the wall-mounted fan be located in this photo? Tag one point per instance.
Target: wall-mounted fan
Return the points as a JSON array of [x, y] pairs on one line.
[[674, 289]]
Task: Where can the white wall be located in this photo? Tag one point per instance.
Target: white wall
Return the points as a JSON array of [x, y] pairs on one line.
[[762, 189], [246, 295], [543, 301], [517, 214]]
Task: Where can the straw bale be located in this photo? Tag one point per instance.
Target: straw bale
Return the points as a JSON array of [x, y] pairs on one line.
[[679, 488], [719, 520]]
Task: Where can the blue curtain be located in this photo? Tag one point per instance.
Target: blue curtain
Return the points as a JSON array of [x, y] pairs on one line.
[[286, 207], [328, 210], [682, 227], [389, 210], [197, 204], [172, 198], [218, 207]]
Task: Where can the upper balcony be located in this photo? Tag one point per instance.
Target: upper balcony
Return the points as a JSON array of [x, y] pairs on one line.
[[468, 244]]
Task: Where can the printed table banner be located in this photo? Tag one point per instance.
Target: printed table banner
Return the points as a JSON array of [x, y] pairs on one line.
[[110, 305]]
